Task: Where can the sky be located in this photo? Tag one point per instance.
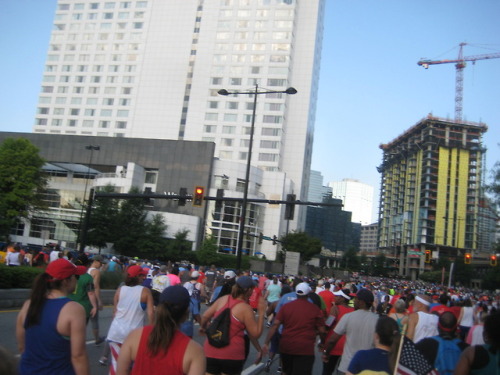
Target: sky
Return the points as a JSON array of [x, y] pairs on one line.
[[371, 89]]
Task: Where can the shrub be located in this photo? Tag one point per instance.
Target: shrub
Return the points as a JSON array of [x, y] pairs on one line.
[[18, 277], [111, 280]]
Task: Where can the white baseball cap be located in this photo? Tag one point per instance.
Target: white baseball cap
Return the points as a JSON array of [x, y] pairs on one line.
[[302, 289], [229, 275]]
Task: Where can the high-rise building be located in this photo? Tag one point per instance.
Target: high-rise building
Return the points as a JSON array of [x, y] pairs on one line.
[[153, 69], [431, 192], [317, 191], [357, 197]]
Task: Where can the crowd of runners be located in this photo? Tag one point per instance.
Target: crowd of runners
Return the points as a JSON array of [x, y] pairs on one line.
[[358, 325]]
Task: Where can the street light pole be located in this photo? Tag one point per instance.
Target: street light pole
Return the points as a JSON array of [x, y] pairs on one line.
[[241, 231]]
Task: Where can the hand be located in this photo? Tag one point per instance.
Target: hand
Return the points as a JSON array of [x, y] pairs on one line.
[[325, 357], [93, 312], [258, 358], [265, 349]]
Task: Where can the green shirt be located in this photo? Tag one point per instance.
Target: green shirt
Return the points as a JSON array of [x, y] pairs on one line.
[[84, 285]]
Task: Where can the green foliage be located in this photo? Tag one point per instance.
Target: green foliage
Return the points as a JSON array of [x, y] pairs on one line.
[[491, 280], [154, 244], [22, 182], [207, 254], [18, 277], [379, 266], [302, 243], [433, 276], [494, 187], [102, 227], [179, 248], [350, 260], [111, 280]]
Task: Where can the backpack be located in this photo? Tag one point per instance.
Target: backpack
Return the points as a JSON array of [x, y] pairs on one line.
[[196, 293], [447, 356], [218, 330]]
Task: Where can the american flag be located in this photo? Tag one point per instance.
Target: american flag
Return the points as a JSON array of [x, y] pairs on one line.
[[412, 362]]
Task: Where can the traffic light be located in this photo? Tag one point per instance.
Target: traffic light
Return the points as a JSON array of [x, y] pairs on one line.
[[493, 260], [199, 192], [182, 197], [274, 239], [467, 258], [428, 256], [290, 206], [261, 237], [219, 201]]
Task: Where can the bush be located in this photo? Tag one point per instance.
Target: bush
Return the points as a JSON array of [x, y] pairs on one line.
[[111, 280], [18, 277]]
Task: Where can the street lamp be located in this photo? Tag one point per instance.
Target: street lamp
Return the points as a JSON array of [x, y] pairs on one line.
[[241, 232], [81, 238]]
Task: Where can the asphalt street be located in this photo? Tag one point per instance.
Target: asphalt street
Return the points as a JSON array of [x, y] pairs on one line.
[[8, 341]]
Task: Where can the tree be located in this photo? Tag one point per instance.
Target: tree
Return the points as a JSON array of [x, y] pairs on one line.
[[207, 254], [102, 227], [180, 247], [302, 243], [22, 182], [131, 223], [155, 244], [494, 186], [351, 260]]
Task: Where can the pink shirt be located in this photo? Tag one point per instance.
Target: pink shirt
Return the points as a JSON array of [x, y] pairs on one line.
[[174, 279]]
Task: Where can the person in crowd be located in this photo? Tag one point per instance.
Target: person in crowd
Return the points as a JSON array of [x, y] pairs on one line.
[[421, 323], [327, 296], [210, 276], [173, 275], [466, 318], [133, 304], [358, 327], [400, 315], [272, 296], [338, 310], [384, 307], [302, 321], [475, 336], [444, 360], [54, 254], [14, 258], [162, 347], [483, 359], [50, 328], [444, 300], [382, 358], [230, 359], [114, 265], [226, 287], [194, 290], [95, 271], [159, 283], [84, 292], [28, 258]]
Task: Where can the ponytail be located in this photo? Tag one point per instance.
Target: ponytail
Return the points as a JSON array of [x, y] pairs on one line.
[[168, 318], [39, 291]]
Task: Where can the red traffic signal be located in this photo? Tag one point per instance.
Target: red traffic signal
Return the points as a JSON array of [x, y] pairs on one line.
[[198, 195], [467, 258], [493, 260], [428, 255]]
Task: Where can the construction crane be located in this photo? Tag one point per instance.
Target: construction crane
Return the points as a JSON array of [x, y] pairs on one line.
[[460, 64]]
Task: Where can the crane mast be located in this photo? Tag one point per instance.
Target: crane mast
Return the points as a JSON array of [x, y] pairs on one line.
[[460, 64]]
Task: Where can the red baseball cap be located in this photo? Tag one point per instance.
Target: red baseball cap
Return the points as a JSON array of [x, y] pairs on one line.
[[61, 269], [134, 271]]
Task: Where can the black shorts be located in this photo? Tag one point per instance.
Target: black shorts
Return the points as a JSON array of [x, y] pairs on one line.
[[297, 364], [216, 366]]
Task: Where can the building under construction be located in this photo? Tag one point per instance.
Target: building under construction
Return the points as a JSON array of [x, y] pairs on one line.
[[430, 193]]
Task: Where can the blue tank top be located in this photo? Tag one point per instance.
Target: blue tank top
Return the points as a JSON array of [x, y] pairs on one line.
[[46, 351]]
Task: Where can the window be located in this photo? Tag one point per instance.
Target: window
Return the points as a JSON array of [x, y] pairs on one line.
[[76, 100], [124, 102], [232, 105], [209, 128], [269, 144], [41, 121], [59, 111], [235, 81], [272, 119], [72, 123], [138, 25], [230, 117], [276, 82], [211, 116], [122, 113], [47, 89], [43, 111], [90, 112], [216, 80], [106, 112], [104, 124], [151, 177], [88, 123], [268, 157], [56, 122], [121, 124], [228, 129], [213, 104]]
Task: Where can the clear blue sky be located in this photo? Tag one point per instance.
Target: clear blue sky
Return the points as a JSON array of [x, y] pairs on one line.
[[371, 88]]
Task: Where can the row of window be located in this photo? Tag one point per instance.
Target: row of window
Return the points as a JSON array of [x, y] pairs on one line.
[[271, 132], [83, 79], [95, 26], [218, 59], [218, 70], [97, 47], [78, 100], [94, 68], [103, 124], [263, 156], [72, 132], [214, 104], [73, 37], [96, 16], [234, 117], [106, 5], [230, 3], [229, 142], [81, 89], [86, 112], [85, 57]]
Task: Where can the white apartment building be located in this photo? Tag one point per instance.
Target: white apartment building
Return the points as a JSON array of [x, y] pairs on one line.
[[357, 197], [152, 69]]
